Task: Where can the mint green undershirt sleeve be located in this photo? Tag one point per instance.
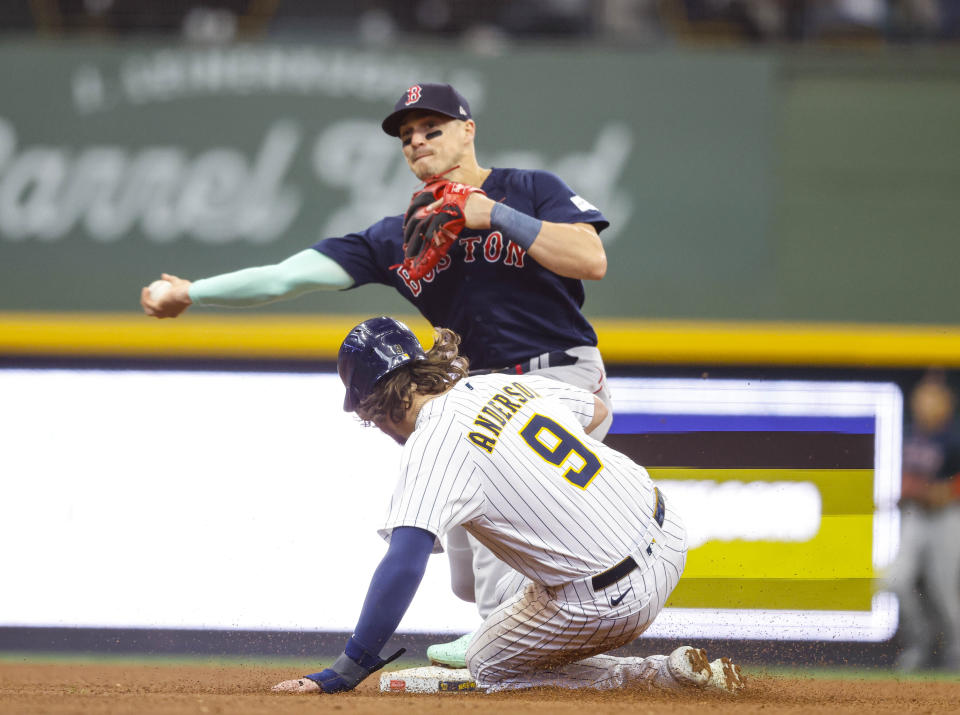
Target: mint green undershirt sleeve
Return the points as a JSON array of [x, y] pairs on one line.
[[302, 273]]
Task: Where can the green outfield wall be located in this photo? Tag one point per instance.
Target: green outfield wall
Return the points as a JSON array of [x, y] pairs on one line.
[[741, 186]]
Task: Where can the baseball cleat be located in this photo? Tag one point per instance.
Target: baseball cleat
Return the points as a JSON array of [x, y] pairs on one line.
[[726, 676], [300, 685], [689, 666], [452, 654]]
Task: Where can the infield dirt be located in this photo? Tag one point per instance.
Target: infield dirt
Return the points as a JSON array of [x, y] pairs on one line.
[[59, 689]]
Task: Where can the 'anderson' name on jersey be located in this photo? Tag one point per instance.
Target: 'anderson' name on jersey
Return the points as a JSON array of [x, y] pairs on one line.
[[499, 410], [507, 457]]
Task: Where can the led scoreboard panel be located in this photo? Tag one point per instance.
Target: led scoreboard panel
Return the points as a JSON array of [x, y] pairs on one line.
[[186, 500], [788, 491]]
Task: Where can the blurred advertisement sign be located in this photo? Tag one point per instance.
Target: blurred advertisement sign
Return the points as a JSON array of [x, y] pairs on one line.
[[121, 161], [789, 492], [152, 525]]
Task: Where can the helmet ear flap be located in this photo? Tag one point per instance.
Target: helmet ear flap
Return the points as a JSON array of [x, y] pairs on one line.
[[351, 399]]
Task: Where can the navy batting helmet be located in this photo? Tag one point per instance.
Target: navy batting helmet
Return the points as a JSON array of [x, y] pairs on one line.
[[370, 352]]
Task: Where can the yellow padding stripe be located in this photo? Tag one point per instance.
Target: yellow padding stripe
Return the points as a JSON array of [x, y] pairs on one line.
[[204, 336], [280, 336], [774, 343], [841, 594]]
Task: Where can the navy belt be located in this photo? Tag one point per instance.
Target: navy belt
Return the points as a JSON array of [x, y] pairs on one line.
[[615, 573], [556, 358]]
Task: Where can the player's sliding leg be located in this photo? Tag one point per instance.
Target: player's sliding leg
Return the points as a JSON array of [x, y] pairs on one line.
[[525, 641], [532, 641], [492, 580], [554, 636], [683, 669]]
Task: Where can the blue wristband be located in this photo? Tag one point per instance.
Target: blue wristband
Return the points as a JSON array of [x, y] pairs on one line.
[[515, 225], [353, 665]]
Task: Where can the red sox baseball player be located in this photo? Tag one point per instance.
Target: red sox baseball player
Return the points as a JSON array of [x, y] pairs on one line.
[[520, 233]]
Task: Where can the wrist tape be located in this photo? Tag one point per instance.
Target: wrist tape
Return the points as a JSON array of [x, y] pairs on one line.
[[351, 667], [515, 225]]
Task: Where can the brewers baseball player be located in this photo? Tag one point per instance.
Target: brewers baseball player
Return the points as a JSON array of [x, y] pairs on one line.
[[509, 283], [594, 547]]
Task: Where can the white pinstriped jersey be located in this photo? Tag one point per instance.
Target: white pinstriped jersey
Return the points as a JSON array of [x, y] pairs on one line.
[[507, 457]]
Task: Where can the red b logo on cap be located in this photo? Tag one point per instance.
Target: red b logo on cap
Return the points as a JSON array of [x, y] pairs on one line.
[[413, 95]]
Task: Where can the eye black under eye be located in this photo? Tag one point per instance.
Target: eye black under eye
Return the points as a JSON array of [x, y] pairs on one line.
[[433, 135], [406, 141]]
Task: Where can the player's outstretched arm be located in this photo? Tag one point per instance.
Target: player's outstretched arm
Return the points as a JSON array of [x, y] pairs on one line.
[[302, 273], [572, 250], [391, 591]]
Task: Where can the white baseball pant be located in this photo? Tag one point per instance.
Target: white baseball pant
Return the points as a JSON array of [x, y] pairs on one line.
[[556, 637], [929, 547]]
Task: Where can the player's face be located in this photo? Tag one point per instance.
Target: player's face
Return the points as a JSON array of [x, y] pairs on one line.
[[389, 428], [932, 405], [433, 143]]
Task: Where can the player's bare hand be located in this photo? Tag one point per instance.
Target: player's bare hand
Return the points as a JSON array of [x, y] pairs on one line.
[[169, 303], [476, 211], [300, 685]]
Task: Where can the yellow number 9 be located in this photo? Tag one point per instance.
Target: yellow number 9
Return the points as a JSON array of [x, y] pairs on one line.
[[564, 444]]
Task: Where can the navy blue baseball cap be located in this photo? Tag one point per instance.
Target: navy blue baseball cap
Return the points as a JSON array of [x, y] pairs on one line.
[[370, 352], [440, 98]]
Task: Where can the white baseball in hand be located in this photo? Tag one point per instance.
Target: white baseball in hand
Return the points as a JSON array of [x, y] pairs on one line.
[[158, 289]]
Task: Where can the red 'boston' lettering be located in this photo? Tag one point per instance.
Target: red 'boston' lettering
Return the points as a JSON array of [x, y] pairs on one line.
[[469, 243], [493, 247], [412, 284], [493, 251], [515, 255]]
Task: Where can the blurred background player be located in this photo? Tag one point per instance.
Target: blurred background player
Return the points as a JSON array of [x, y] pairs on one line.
[[595, 546], [927, 566], [511, 286]]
